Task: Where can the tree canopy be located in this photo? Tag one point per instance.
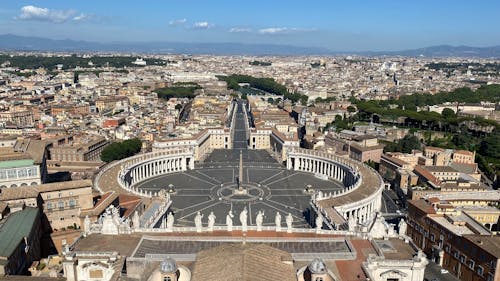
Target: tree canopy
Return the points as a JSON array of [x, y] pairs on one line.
[[120, 150], [264, 84], [71, 62], [405, 145], [178, 90]]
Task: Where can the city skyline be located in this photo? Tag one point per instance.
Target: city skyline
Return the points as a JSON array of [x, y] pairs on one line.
[[358, 26]]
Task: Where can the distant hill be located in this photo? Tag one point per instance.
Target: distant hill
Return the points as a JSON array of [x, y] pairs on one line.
[[22, 43], [445, 51], [9, 42]]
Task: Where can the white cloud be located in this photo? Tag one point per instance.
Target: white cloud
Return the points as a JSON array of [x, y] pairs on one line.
[[238, 30], [50, 15], [177, 22], [202, 25], [284, 30], [82, 17]]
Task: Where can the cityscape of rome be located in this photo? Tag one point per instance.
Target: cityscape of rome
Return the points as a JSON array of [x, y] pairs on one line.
[[253, 140]]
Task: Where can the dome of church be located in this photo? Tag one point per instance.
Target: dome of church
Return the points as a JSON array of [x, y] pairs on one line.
[[317, 266], [168, 266]]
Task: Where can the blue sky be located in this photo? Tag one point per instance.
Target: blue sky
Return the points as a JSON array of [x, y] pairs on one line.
[[336, 25]]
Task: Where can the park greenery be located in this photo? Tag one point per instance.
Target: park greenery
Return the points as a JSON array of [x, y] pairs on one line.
[[463, 67], [121, 150], [406, 107], [178, 90], [446, 130], [73, 61], [486, 93], [405, 145], [260, 63], [268, 85]]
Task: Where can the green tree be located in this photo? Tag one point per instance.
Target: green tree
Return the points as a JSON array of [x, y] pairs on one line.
[[448, 113], [490, 146], [120, 150], [405, 145]]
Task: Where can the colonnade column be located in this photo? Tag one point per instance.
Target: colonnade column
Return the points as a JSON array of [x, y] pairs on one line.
[[183, 163]]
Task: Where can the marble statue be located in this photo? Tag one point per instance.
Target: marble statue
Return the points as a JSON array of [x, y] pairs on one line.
[[197, 221], [277, 221], [320, 195], [402, 227], [135, 220], [351, 222], [211, 221], [319, 222], [229, 220], [110, 222], [259, 220], [289, 223], [243, 219], [170, 222], [86, 224]]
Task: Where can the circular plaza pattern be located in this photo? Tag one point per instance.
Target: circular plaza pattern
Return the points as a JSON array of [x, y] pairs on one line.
[[268, 187]]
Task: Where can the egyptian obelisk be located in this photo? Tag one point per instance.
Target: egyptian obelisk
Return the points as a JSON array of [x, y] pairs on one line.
[[240, 175]]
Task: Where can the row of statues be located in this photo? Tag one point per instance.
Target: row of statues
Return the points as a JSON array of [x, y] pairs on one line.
[[259, 220], [243, 217]]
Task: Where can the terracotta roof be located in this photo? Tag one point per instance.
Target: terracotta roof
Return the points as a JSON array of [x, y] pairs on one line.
[[64, 185], [466, 152], [426, 174], [101, 205], [423, 206], [20, 192], [491, 244]]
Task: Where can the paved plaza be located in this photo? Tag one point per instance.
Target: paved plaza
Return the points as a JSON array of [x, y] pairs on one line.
[[210, 188]]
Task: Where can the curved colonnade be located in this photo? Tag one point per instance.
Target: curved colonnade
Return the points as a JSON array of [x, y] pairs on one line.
[[360, 199], [141, 167]]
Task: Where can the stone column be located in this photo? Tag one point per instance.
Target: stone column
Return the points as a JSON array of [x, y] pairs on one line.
[[191, 163], [183, 163]]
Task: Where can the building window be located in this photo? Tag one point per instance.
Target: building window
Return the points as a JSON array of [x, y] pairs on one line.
[[456, 254], [471, 264], [447, 248], [432, 238], [480, 270], [60, 204], [72, 203], [49, 206], [462, 258]]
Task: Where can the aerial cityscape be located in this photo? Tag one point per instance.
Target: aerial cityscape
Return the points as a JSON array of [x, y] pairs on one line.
[[261, 140]]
